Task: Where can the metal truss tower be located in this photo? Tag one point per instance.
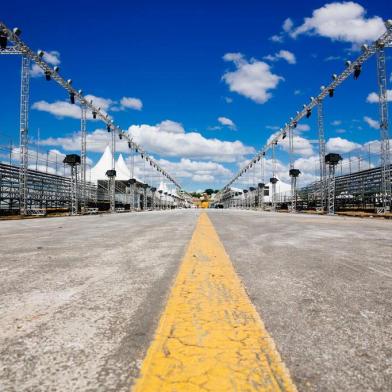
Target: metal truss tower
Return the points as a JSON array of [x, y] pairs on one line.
[[24, 123], [112, 179], [273, 180], [74, 190], [321, 139], [384, 134], [83, 157], [293, 178], [261, 186], [331, 190]]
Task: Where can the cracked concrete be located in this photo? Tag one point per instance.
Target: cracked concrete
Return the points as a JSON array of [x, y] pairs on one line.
[[210, 337], [80, 296], [323, 288]]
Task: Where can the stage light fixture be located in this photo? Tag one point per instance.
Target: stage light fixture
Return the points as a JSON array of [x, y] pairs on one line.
[[357, 71], [3, 40]]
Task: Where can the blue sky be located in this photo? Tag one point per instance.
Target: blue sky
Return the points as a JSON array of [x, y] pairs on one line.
[[169, 57]]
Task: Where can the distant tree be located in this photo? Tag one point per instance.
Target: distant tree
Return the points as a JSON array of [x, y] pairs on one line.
[[196, 194], [209, 191], [216, 190]]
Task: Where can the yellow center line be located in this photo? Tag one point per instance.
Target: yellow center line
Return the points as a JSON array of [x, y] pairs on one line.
[[210, 337]]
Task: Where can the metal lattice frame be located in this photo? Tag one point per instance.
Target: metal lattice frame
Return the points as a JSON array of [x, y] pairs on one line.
[[273, 185], [321, 140], [83, 156], [21, 48], [74, 190], [112, 180], [24, 124], [385, 40], [384, 134], [293, 178], [331, 190]]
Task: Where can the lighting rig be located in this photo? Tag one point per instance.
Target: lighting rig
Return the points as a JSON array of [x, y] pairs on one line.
[[351, 68], [53, 73]]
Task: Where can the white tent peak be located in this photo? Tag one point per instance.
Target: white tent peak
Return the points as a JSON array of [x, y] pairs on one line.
[[98, 172], [122, 171]]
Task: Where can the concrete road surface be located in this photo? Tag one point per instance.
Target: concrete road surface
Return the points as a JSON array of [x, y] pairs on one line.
[[323, 287], [80, 297]]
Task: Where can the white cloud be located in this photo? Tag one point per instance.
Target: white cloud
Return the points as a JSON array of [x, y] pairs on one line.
[[372, 123], [301, 146], [252, 79], [52, 58], [273, 127], [297, 92], [63, 109], [202, 178], [168, 139], [282, 54], [277, 38], [287, 25], [228, 99], [59, 108], [337, 144], [309, 164], [340, 130], [227, 122], [374, 98], [332, 58], [187, 144], [286, 28], [336, 122], [303, 127], [170, 127], [198, 171], [131, 103], [345, 21]]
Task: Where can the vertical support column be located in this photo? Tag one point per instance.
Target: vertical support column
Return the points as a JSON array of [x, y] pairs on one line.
[[273, 179], [24, 123], [74, 190], [112, 179], [384, 134], [320, 123], [83, 157], [261, 199], [331, 189], [293, 179]]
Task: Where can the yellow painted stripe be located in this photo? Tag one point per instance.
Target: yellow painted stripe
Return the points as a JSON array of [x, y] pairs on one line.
[[210, 337]]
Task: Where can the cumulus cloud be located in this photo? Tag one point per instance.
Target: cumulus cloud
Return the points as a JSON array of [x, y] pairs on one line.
[[374, 98], [227, 122], [282, 54], [286, 28], [287, 25], [170, 127], [337, 144], [197, 171], [303, 127], [341, 21], [63, 109], [52, 58], [277, 38], [131, 103], [301, 145], [371, 122], [59, 108], [252, 79], [187, 144], [336, 122], [168, 139]]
